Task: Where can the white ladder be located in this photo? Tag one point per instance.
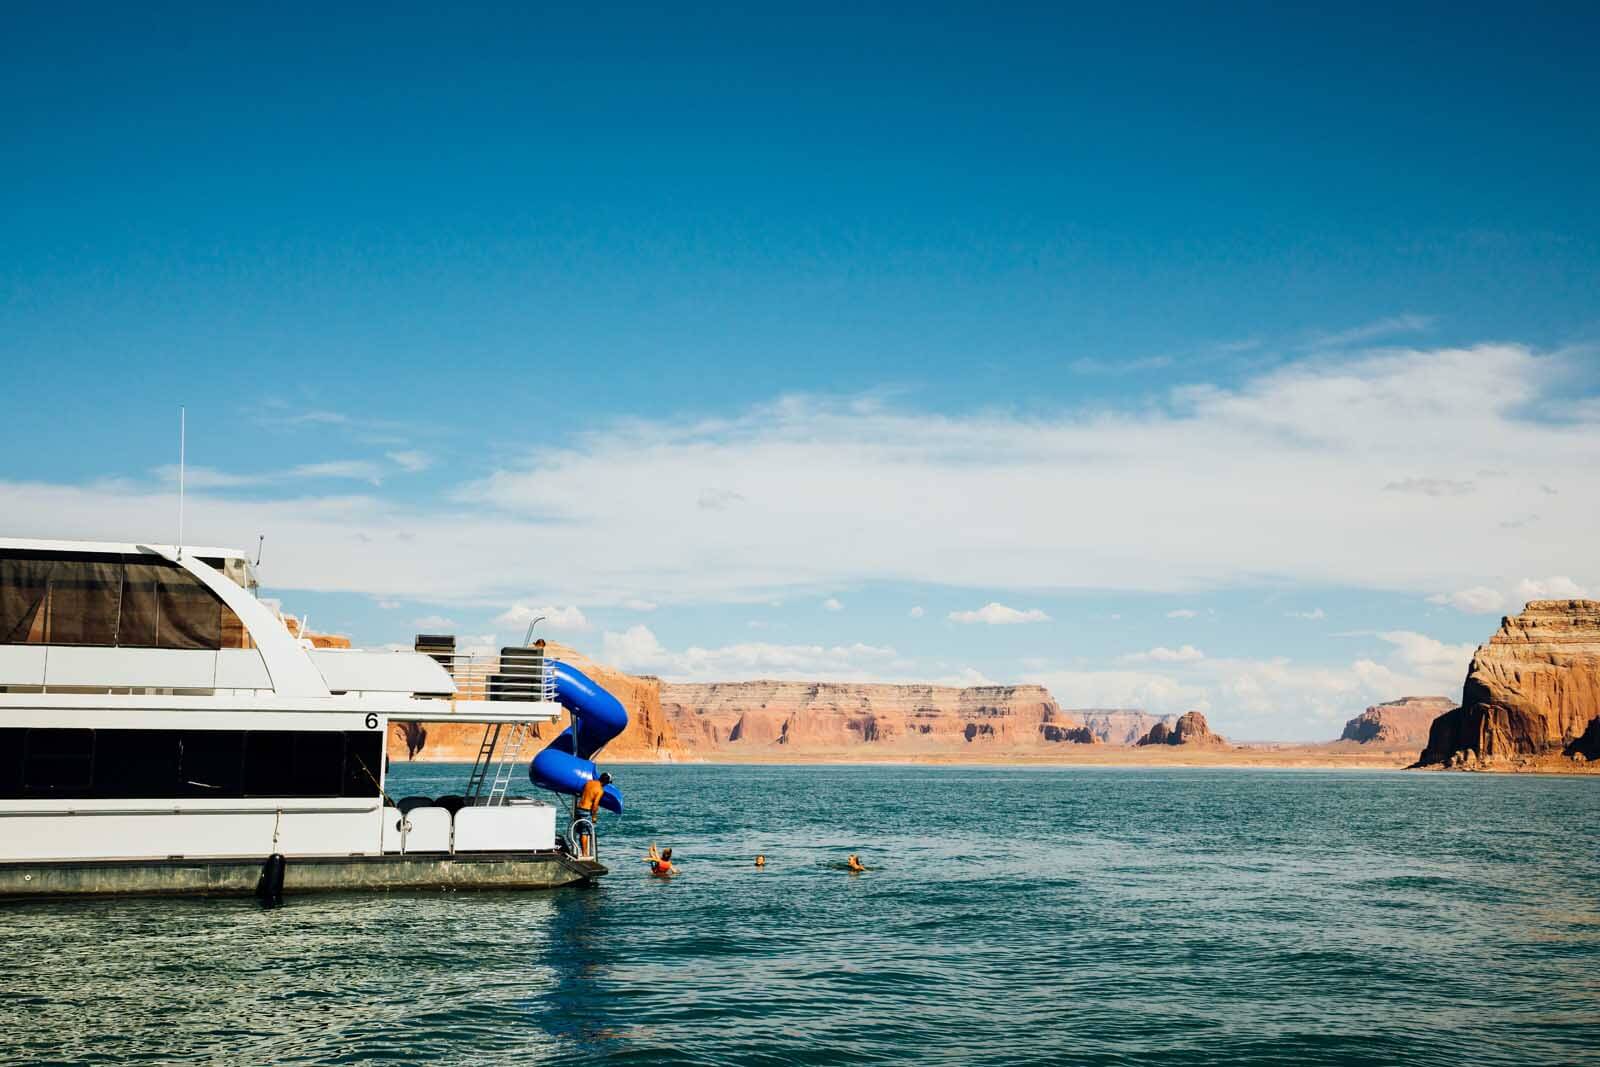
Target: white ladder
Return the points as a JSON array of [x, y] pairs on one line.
[[506, 769]]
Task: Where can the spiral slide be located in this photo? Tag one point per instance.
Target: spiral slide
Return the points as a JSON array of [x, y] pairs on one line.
[[565, 764]]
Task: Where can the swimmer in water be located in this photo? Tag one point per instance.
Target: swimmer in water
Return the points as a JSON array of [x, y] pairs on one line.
[[662, 867], [854, 863], [761, 860], [655, 854]]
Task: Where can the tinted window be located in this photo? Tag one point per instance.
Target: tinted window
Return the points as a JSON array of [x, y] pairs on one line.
[[11, 742], [268, 763], [210, 763], [136, 763], [58, 762], [318, 764], [363, 763], [168, 764]]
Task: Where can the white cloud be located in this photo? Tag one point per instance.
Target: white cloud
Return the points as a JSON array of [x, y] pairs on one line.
[[638, 649], [1312, 616], [1256, 698], [1441, 666], [965, 678], [639, 605], [1182, 613], [1478, 600], [1286, 469], [351, 469], [478, 644], [389, 605], [1431, 487], [201, 478], [1559, 587], [1162, 654], [1484, 600], [1371, 331], [916, 612], [410, 460], [557, 618], [832, 604], [718, 499], [433, 623], [993, 614]]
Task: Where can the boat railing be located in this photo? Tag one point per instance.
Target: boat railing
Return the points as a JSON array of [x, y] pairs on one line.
[[510, 674]]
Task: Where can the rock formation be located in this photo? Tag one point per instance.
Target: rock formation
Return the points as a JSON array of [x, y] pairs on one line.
[[1190, 729], [1403, 722], [1120, 726], [1532, 694], [797, 718]]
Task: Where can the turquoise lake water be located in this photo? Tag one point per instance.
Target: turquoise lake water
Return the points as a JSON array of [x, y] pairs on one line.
[[1067, 915]]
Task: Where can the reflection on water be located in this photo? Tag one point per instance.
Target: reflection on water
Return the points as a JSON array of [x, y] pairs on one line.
[[1095, 915]]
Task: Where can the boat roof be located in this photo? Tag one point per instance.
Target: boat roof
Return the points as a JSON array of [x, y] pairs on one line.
[[123, 548]]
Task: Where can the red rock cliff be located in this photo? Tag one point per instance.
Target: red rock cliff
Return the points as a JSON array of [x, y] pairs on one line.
[[1402, 722], [1532, 693], [798, 718]]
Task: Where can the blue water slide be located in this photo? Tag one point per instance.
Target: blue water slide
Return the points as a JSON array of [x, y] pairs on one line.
[[566, 763]]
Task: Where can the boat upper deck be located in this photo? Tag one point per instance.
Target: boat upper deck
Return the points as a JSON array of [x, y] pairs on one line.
[[82, 619]]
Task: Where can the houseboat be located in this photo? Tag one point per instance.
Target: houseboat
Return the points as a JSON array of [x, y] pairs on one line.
[[163, 731]]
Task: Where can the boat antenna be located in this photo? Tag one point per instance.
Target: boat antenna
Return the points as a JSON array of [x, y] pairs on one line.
[[261, 540], [528, 637], [182, 420]]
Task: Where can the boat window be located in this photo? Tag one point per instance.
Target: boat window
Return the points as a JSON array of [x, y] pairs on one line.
[[168, 764], [11, 742], [363, 763], [58, 762], [210, 763], [135, 763], [109, 600]]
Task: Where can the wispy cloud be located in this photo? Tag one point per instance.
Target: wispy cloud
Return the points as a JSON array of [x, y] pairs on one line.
[[1311, 616], [638, 649], [1435, 487], [410, 460], [993, 614], [333, 470], [1162, 654], [1182, 613], [1477, 600], [832, 604], [718, 499], [1372, 331], [1305, 448]]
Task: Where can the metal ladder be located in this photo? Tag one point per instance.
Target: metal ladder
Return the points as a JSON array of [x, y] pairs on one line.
[[506, 769], [497, 773], [480, 766]]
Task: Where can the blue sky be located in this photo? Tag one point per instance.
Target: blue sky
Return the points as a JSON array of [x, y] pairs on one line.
[[1105, 317]]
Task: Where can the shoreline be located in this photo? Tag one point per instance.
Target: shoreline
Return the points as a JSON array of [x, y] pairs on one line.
[[1239, 758]]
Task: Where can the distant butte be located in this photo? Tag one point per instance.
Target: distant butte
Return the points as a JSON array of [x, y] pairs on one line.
[[1399, 723], [1190, 729]]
